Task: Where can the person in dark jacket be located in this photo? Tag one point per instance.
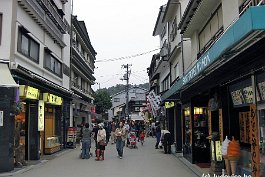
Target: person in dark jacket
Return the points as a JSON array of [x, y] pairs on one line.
[[86, 142], [158, 135], [167, 140]]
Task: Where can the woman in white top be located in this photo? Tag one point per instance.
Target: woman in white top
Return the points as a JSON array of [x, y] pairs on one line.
[[101, 142]]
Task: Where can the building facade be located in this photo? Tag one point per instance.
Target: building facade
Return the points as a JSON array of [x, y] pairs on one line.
[[136, 103], [35, 45], [221, 93], [83, 57]]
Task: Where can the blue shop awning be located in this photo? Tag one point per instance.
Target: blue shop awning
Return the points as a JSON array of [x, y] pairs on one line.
[[240, 35]]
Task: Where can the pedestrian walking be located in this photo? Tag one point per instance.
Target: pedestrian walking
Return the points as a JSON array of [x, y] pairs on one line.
[[158, 135], [101, 142], [112, 134], [86, 142], [120, 135]]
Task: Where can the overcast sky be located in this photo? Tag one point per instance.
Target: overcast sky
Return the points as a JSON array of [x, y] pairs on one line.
[[120, 28]]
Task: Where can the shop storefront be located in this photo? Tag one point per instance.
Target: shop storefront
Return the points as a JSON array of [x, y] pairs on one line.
[[52, 125]]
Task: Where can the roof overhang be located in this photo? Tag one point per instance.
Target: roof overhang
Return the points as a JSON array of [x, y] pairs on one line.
[[246, 31], [170, 10], [6, 78], [159, 24]]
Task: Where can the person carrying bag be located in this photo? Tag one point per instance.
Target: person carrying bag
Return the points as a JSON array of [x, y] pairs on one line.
[[101, 142]]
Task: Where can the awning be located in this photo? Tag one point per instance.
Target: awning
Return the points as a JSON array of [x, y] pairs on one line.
[[245, 31], [6, 77]]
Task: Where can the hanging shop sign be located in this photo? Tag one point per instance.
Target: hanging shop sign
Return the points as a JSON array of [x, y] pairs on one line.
[[221, 132], [52, 99], [169, 105], [41, 116], [218, 152], [28, 92], [255, 149], [1, 118]]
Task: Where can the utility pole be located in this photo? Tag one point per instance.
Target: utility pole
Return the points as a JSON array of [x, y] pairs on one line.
[[126, 77]]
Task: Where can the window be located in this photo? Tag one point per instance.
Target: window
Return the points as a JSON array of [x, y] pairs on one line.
[[166, 83], [116, 99], [212, 28], [52, 64], [27, 46], [1, 17]]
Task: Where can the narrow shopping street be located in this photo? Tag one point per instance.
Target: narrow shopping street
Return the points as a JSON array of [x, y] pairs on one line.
[[146, 161]]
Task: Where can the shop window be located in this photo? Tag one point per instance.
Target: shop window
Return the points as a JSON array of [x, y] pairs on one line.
[[52, 64], [27, 46], [1, 17]]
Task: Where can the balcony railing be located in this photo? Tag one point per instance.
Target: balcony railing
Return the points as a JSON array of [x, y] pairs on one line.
[[36, 11], [80, 89], [243, 7], [53, 14], [76, 48]]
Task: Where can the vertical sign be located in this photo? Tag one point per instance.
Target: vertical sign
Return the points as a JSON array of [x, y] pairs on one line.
[[41, 116], [255, 153], [242, 126], [218, 152], [210, 122], [1, 118], [221, 130]]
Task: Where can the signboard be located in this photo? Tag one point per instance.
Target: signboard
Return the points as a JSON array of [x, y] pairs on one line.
[[52, 99], [28, 92], [201, 65], [169, 104], [41, 116], [248, 94], [209, 122], [221, 131], [237, 97], [255, 149], [1, 118], [218, 152]]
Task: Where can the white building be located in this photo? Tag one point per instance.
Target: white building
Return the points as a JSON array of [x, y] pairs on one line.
[[35, 44], [137, 102]]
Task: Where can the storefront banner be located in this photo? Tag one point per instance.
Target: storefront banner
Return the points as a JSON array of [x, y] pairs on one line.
[[1, 118], [255, 149], [169, 105], [218, 152], [28, 92], [52, 99], [41, 116]]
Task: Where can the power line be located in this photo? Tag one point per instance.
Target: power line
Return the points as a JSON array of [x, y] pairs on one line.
[[127, 57]]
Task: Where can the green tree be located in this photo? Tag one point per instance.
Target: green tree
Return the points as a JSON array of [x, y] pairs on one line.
[[102, 101]]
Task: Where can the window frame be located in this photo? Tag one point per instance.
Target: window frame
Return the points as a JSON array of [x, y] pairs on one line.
[[56, 61], [22, 33], [115, 100]]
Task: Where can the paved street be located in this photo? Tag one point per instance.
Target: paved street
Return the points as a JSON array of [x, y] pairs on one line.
[[142, 162]]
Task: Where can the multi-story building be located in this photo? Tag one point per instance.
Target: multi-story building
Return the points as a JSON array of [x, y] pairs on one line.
[[35, 46], [222, 91], [82, 70], [169, 65], [136, 102]]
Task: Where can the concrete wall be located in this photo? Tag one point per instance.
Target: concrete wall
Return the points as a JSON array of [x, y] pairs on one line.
[[6, 11]]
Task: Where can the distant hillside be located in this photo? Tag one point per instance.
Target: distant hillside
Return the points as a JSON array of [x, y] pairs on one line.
[[120, 87]]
